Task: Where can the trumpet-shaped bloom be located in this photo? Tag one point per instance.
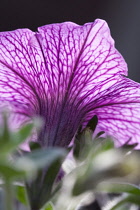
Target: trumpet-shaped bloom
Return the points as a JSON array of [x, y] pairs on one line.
[[66, 74]]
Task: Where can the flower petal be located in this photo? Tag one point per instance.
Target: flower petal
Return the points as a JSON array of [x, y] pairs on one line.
[[118, 111], [79, 58], [56, 72], [20, 66]]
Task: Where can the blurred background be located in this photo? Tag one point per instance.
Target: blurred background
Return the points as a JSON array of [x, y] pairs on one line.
[[123, 17]]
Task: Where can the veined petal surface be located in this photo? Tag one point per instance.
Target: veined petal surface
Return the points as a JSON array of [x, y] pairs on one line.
[[79, 58], [59, 73], [118, 111], [20, 66]]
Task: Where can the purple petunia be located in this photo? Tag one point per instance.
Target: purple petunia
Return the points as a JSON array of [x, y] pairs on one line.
[[66, 74]]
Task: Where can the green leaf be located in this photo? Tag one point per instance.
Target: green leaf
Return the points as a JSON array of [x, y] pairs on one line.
[[5, 136], [1, 199], [99, 134], [49, 206], [21, 194], [34, 145], [99, 167], [82, 144], [107, 144], [79, 144], [47, 190], [42, 157], [9, 171], [48, 162], [133, 199], [93, 123], [129, 146], [119, 188], [15, 139], [22, 134]]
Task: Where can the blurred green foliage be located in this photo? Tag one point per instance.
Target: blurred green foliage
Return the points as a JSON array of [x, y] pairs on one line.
[[67, 179]]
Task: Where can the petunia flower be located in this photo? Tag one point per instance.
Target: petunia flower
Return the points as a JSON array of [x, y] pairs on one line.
[[66, 74]]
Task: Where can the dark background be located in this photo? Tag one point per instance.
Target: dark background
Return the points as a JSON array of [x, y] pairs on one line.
[[123, 17]]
